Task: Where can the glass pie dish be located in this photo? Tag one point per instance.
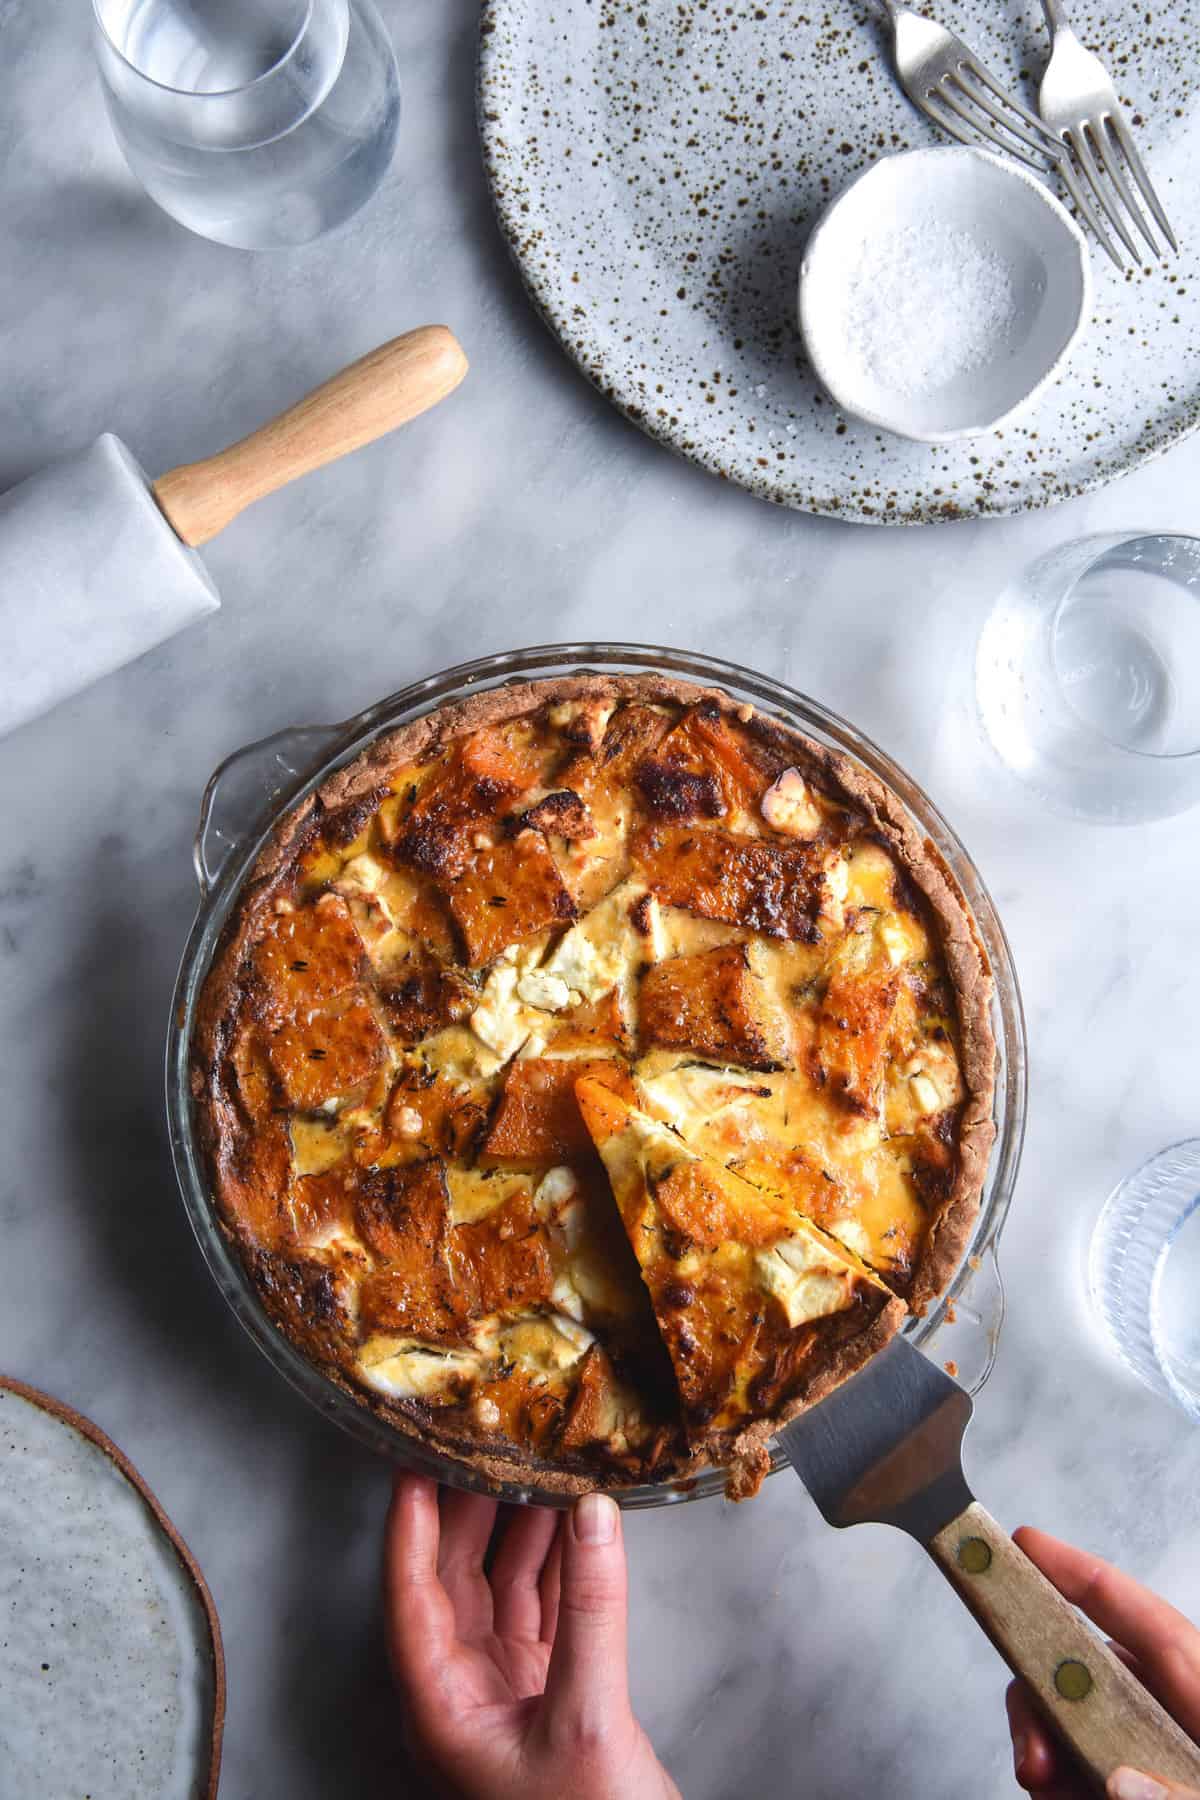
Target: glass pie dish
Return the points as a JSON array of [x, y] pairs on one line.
[[254, 788]]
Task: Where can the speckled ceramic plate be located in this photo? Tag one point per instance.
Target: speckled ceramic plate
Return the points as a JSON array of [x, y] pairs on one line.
[[657, 167], [111, 1673]]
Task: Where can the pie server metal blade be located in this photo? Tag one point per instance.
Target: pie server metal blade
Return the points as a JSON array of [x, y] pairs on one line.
[[886, 1447]]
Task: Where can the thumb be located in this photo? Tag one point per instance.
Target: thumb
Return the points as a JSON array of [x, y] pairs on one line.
[[587, 1683], [1131, 1784]]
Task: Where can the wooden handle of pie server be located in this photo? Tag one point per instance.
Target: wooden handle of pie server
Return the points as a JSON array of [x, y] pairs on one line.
[[1098, 1706], [385, 389]]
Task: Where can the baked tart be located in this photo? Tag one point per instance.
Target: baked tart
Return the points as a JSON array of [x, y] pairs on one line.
[[593, 1074]]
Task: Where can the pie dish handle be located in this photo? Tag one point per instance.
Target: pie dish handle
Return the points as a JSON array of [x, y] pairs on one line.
[[966, 1335], [249, 785]]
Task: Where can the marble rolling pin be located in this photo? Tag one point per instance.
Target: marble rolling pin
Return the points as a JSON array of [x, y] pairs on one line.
[[98, 564]]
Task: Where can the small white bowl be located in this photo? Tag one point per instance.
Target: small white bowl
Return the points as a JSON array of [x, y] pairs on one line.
[[931, 358]]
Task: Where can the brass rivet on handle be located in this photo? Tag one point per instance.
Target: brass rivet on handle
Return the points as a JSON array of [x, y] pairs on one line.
[[1072, 1680], [974, 1555]]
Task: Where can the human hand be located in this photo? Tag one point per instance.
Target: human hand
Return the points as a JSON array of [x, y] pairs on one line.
[[1159, 1644], [514, 1672]]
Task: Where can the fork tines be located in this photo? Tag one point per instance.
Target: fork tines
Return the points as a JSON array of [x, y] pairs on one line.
[[1081, 136], [962, 105], [1108, 139], [971, 90]]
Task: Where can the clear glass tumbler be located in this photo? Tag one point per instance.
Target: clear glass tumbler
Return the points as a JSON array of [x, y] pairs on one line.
[[260, 123], [1087, 677], [1145, 1273]]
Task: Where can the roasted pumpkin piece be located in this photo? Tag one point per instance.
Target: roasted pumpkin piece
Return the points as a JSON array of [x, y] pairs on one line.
[[705, 768], [598, 1409], [715, 1005], [512, 756], [797, 1183], [633, 733], [427, 1115], [503, 1260], [671, 790], [745, 765], [418, 1301], [507, 893], [307, 957], [561, 814], [402, 1210], [327, 1054], [323, 1206], [854, 1027], [435, 836], [595, 1023], [461, 802], [402, 1216], [696, 1212], [420, 998], [778, 889], [430, 923], [538, 1119]]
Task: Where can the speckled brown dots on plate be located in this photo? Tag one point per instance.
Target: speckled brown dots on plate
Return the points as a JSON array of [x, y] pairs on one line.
[[656, 171]]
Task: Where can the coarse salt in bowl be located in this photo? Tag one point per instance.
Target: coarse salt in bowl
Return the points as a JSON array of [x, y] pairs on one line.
[[941, 292]]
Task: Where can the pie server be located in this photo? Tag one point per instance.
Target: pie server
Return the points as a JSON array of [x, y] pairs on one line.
[[886, 1449], [98, 564]]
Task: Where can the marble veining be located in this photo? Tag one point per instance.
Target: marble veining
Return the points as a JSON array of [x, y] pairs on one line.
[[769, 1656]]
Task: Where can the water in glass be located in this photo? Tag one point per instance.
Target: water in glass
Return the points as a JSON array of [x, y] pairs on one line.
[[260, 123], [1088, 677]]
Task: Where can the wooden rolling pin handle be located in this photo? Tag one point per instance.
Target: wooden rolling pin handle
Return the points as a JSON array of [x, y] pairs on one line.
[[385, 389], [1096, 1704]]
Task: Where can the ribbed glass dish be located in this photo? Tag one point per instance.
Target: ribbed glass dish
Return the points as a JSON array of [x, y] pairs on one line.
[[252, 790], [1144, 1273]]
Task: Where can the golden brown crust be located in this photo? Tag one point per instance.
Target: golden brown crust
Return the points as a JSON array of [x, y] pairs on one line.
[[337, 811], [58, 1409]]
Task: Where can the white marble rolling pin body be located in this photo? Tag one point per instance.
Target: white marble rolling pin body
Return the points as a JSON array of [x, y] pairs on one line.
[[91, 575], [98, 565]]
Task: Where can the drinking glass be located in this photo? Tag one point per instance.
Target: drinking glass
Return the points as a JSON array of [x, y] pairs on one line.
[[260, 123], [1087, 677], [1144, 1273]]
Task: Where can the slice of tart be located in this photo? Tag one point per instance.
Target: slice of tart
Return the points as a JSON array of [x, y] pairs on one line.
[[761, 1311]]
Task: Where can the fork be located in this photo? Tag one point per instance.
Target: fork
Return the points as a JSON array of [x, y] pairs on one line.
[[944, 78], [1079, 104]]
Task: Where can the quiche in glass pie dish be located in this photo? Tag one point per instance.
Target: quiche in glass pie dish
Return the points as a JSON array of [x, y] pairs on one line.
[[592, 1074]]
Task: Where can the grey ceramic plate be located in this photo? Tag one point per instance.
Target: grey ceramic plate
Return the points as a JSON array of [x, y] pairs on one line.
[[657, 167], [111, 1673]]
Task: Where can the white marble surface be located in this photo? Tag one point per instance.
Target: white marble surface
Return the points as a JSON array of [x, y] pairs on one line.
[[769, 1656]]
